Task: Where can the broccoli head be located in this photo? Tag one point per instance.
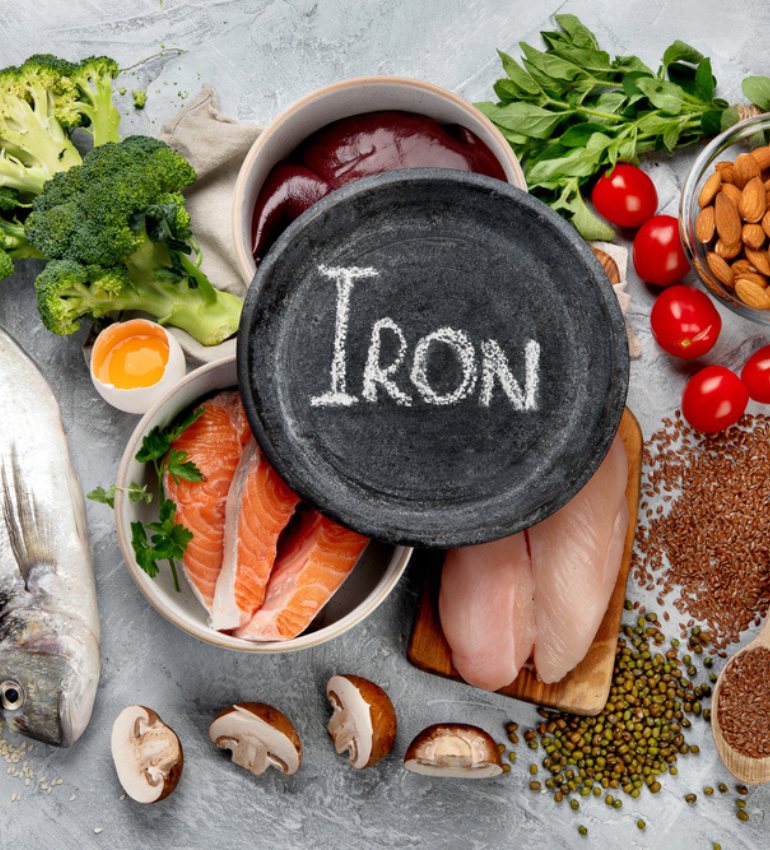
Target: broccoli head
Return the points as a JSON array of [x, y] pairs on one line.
[[13, 244], [120, 216]]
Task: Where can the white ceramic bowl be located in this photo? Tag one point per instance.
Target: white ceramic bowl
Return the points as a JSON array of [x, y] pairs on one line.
[[370, 582], [341, 100]]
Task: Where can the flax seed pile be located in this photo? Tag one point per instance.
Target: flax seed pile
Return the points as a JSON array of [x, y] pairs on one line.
[[704, 525], [744, 703]]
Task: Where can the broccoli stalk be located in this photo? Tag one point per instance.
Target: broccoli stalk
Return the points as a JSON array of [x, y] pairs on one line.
[[117, 233]]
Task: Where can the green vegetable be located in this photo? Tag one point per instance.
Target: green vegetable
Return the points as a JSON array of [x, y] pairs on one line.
[[117, 235], [41, 103], [570, 112], [140, 98], [168, 540]]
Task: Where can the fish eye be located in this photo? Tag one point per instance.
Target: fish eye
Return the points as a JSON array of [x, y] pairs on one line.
[[11, 695]]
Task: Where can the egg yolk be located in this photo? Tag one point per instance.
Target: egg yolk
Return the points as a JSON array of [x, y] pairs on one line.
[[137, 361]]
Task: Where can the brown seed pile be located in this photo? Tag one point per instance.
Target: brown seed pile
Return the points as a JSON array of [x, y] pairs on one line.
[[744, 703], [705, 525]]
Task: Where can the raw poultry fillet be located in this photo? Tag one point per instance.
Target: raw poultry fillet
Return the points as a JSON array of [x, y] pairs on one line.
[[259, 507], [545, 589], [576, 555], [214, 443], [487, 610], [313, 561]]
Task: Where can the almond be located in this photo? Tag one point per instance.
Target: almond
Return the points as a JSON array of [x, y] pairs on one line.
[[762, 156], [745, 168], [752, 204], [732, 192], [727, 219], [704, 225], [726, 170], [766, 223], [751, 277], [752, 295], [721, 271], [709, 190], [741, 267], [752, 235], [727, 250], [759, 259]]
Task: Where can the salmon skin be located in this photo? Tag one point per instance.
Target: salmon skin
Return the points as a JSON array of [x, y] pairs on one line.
[[259, 507], [49, 624], [214, 443], [317, 556]]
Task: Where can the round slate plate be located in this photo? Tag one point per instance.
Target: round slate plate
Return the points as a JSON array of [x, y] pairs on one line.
[[433, 358]]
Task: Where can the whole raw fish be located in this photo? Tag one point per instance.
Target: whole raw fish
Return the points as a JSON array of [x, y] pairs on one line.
[[49, 624]]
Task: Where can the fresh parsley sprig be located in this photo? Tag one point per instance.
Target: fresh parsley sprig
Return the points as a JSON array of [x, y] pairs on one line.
[[168, 540], [570, 112]]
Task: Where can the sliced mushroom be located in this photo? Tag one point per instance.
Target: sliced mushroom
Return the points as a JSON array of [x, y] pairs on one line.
[[454, 750], [147, 754], [363, 722], [258, 736]]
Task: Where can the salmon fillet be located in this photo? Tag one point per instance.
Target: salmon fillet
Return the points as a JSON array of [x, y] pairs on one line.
[[317, 557], [259, 507], [214, 442], [487, 610]]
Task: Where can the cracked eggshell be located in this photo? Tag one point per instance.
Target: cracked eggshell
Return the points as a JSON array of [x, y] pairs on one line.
[[258, 736], [147, 754], [455, 750], [363, 722]]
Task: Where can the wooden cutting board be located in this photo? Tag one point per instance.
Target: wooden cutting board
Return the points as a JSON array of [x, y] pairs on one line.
[[585, 689]]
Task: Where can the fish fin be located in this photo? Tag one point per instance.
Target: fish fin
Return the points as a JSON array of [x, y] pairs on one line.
[[28, 531]]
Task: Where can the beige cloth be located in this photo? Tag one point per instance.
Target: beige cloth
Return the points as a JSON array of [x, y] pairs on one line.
[[215, 145], [620, 255]]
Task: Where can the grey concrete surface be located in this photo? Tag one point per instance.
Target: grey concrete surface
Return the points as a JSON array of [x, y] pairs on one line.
[[262, 55]]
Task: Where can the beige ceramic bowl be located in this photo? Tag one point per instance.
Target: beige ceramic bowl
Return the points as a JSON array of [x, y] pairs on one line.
[[341, 100], [370, 582]]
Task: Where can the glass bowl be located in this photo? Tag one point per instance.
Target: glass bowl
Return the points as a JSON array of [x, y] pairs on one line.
[[741, 138]]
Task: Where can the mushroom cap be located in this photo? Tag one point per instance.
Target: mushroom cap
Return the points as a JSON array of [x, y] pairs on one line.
[[147, 754], [258, 736], [364, 720], [454, 750]]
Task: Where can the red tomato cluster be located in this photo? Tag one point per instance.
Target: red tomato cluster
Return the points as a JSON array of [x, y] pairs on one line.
[[626, 196], [684, 320]]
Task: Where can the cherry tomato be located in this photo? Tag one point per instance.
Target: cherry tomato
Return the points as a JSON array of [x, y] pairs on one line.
[[685, 322], [714, 399], [658, 254], [625, 195], [756, 375]]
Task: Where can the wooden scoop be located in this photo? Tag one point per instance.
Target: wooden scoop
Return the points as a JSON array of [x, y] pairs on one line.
[[752, 771]]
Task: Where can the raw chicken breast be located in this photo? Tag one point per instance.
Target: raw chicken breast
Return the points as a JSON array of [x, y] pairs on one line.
[[487, 610], [214, 443], [576, 555], [259, 507]]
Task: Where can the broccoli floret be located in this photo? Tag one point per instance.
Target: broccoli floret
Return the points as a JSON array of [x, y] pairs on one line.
[[34, 145], [121, 217], [93, 78], [140, 98], [13, 245]]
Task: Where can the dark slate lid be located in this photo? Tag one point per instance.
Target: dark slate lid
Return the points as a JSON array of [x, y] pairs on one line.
[[433, 358]]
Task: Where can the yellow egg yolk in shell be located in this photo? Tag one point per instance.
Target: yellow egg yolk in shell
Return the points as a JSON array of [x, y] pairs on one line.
[[134, 361]]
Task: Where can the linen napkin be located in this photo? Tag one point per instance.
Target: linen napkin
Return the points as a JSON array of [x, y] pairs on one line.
[[215, 145]]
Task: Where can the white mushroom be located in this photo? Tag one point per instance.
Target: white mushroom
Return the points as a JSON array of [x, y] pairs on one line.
[[147, 754], [454, 750], [258, 736], [363, 722]]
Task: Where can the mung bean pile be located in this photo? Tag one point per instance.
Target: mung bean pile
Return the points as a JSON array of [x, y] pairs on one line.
[[639, 735], [704, 525]]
